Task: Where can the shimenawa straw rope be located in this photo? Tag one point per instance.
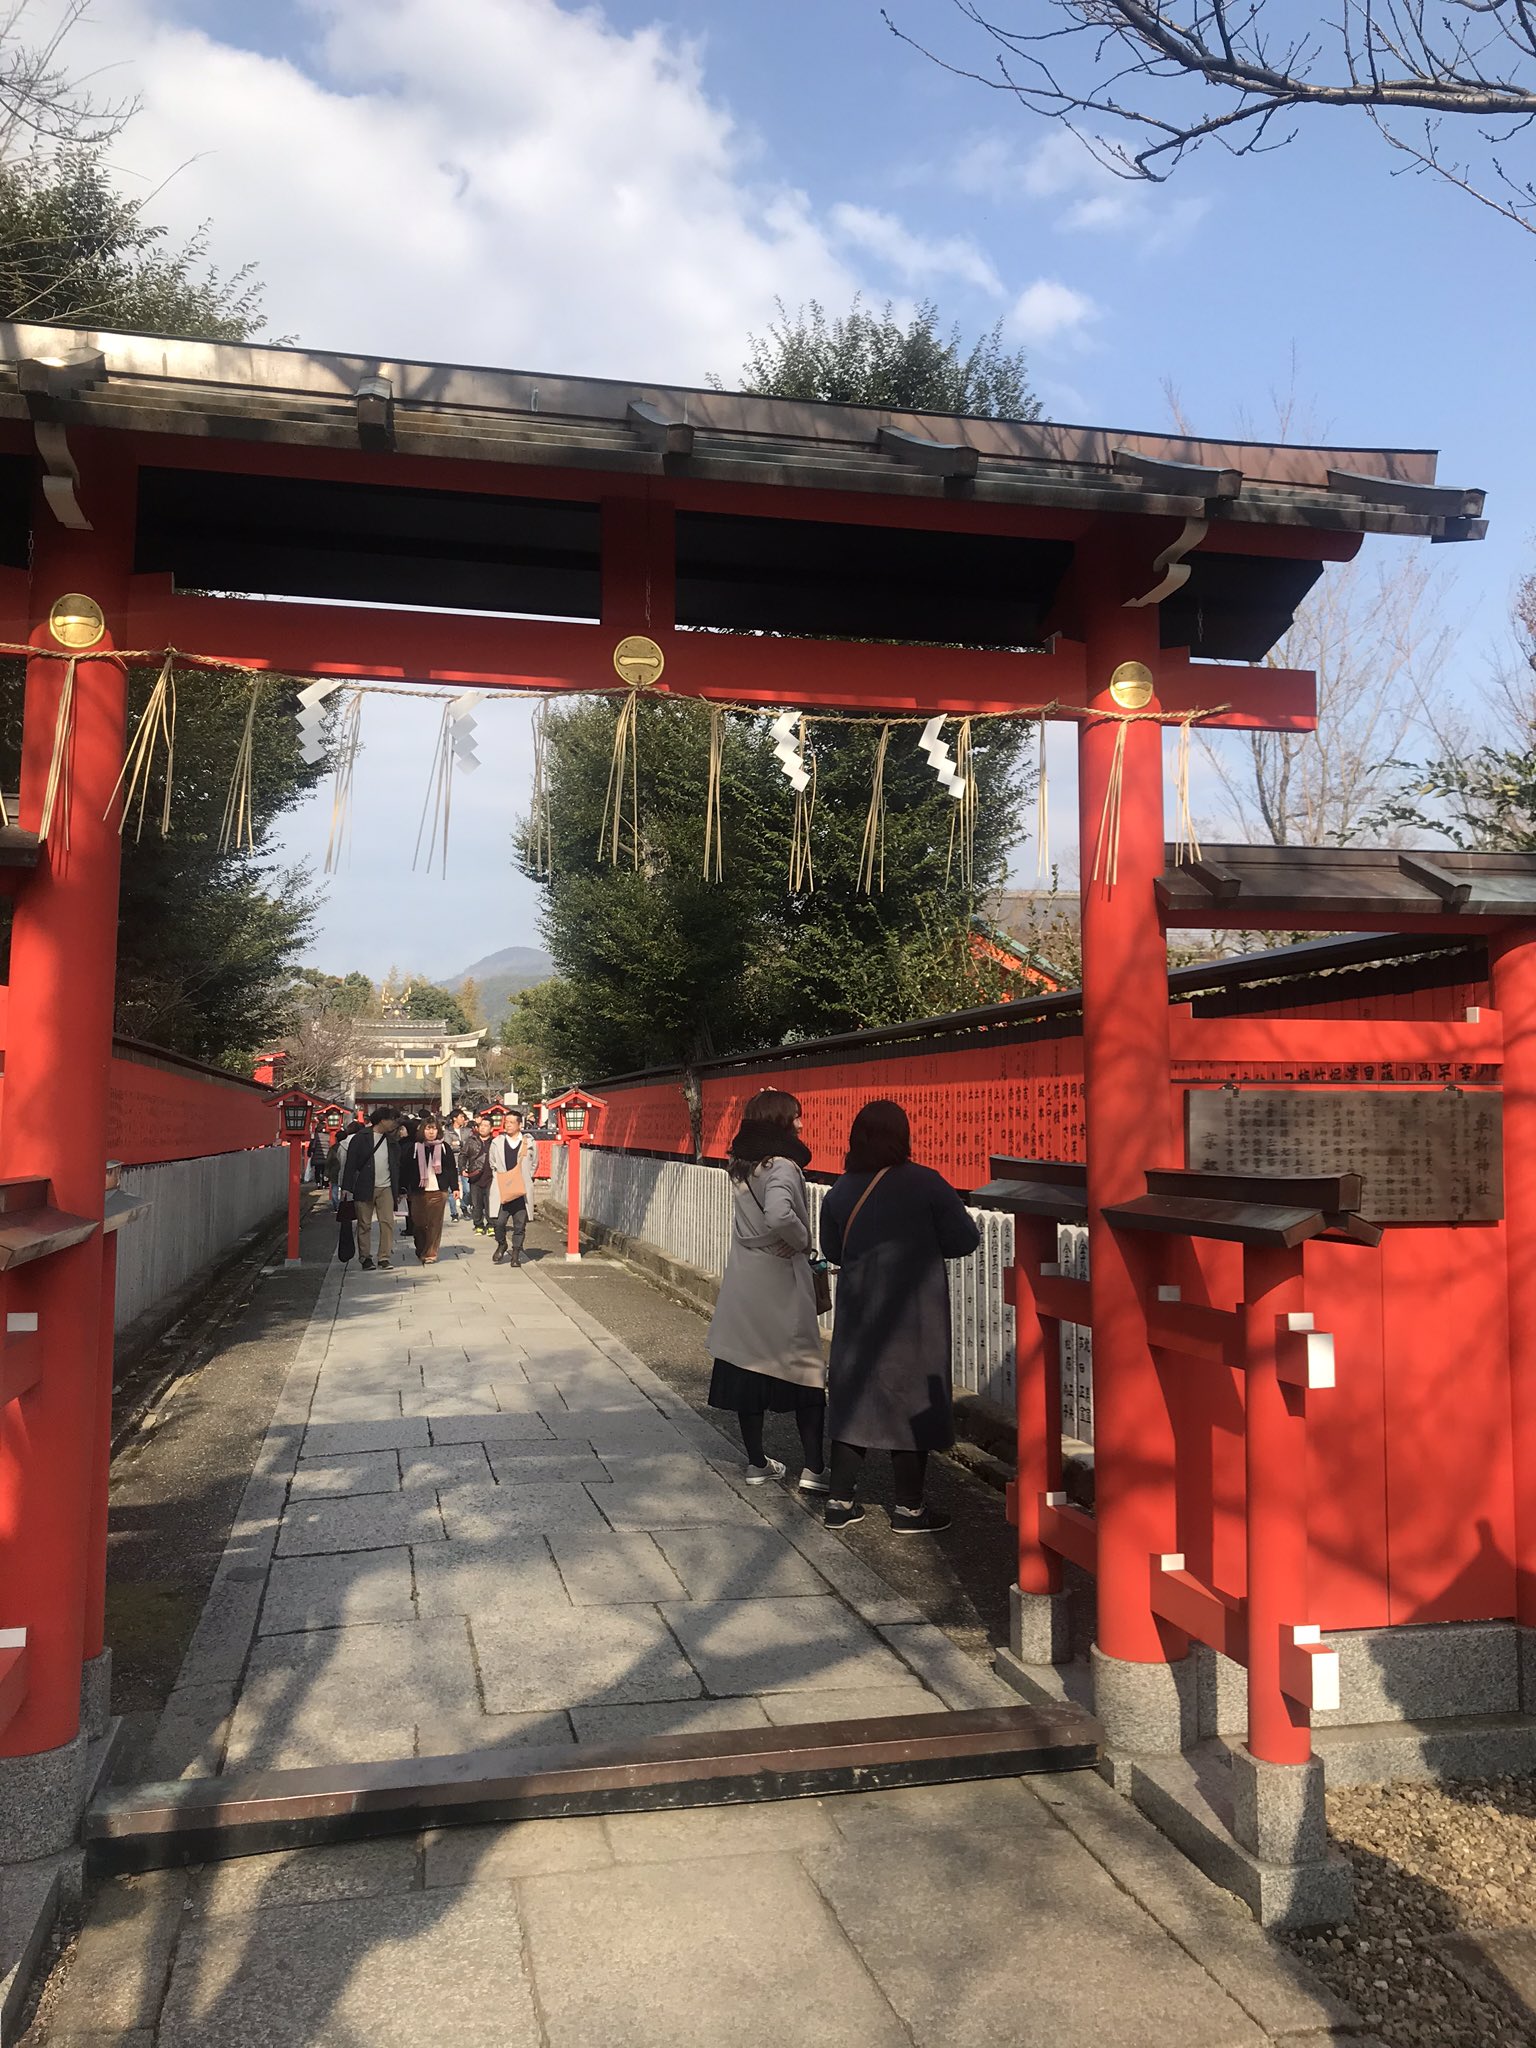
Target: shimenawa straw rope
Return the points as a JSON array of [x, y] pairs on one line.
[[872, 857]]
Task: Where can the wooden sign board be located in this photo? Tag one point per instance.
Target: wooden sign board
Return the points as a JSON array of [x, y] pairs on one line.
[[1424, 1155]]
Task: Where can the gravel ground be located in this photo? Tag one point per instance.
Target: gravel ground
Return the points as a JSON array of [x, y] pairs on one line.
[[1431, 1861]]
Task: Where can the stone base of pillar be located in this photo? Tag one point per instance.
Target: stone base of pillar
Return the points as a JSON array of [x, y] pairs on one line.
[[96, 1697], [41, 1800], [1145, 1709], [1040, 1627], [1525, 1639], [1277, 1809]]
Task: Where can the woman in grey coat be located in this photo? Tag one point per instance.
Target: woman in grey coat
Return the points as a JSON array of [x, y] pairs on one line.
[[764, 1337], [890, 1225]]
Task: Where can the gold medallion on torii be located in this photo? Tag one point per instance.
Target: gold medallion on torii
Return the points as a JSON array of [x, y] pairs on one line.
[[638, 660]]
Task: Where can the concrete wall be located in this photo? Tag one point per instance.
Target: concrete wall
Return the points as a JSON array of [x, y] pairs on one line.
[[202, 1208], [684, 1211]]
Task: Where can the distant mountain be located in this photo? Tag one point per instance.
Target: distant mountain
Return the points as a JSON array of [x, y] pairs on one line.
[[500, 975]]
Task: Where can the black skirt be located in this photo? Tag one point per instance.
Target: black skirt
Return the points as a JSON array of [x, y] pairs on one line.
[[758, 1393]]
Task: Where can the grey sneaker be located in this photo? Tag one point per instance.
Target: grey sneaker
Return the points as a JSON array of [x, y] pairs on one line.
[[814, 1482], [759, 1475]]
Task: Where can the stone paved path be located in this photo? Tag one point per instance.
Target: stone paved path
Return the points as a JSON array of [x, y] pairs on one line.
[[477, 1519]]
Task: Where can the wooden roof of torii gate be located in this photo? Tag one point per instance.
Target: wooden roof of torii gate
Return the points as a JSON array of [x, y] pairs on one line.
[[516, 524]]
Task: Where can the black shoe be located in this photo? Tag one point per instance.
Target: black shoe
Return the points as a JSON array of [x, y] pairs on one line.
[[384, 1265], [499, 1256], [365, 1265], [918, 1521], [841, 1512]]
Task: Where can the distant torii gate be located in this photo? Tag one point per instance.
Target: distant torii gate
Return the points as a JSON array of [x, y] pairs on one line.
[[1094, 566]]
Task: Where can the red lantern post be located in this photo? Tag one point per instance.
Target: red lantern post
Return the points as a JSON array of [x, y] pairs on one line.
[[577, 1115], [295, 1110]]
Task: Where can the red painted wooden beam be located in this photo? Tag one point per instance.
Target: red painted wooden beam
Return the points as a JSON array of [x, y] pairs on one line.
[[13, 1674], [1336, 1041], [1215, 1619], [1069, 1531], [21, 1357], [551, 654]]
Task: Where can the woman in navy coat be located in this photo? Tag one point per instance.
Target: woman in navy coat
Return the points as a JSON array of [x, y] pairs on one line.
[[890, 1225]]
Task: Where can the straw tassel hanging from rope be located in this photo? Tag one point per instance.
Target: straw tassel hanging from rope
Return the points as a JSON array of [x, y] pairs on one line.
[[157, 723], [539, 845], [623, 781], [714, 846], [1186, 843], [872, 858], [239, 828], [802, 875], [349, 734], [1106, 852], [1042, 808], [58, 789], [962, 823]]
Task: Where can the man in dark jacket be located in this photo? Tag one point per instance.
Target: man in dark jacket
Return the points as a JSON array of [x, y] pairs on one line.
[[370, 1174], [475, 1164]]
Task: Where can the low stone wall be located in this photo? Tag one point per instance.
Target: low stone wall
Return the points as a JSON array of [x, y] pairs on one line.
[[201, 1209]]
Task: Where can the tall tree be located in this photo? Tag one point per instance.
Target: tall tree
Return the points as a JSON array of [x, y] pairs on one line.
[[1451, 89], [866, 358], [206, 936]]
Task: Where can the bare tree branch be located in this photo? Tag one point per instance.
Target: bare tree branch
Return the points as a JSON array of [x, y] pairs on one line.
[[1126, 65]]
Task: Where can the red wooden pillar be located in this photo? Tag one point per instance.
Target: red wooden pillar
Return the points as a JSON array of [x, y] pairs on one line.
[[101, 1462], [1513, 959], [1037, 1386], [1275, 1460], [57, 1063], [295, 1182], [573, 1198], [1126, 1098]]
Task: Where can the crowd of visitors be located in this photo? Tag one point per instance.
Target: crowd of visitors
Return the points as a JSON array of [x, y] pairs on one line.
[[887, 1224], [438, 1172]]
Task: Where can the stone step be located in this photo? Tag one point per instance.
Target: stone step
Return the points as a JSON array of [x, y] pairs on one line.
[[1456, 1746], [31, 1895]]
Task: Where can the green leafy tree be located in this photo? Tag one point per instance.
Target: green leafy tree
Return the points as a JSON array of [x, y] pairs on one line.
[[347, 995], [867, 358], [659, 964], [427, 1003], [74, 252], [206, 937]]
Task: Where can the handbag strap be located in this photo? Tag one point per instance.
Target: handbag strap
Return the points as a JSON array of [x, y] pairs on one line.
[[858, 1205]]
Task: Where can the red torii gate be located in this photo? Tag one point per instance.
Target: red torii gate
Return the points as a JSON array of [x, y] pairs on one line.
[[1112, 578]]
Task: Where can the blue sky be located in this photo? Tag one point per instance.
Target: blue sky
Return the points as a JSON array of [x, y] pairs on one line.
[[626, 188]]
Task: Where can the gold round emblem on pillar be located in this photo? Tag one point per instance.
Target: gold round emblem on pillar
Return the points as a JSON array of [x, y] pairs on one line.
[[638, 659], [77, 621], [1131, 686]]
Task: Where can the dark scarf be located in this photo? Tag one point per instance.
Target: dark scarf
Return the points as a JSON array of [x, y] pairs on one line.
[[761, 1139]]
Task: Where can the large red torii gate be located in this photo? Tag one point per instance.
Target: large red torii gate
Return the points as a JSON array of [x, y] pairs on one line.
[[136, 471]]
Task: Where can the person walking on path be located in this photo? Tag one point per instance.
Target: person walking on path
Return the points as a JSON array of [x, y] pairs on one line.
[[457, 1132], [764, 1337], [511, 1192], [890, 1225], [370, 1174], [428, 1171], [474, 1158], [318, 1151]]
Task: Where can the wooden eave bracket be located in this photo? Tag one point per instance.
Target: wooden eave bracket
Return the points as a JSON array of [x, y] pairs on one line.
[[123, 1208], [1431, 501], [376, 414], [1032, 1198], [652, 429], [37, 1233], [1454, 891], [956, 460], [40, 378], [1179, 479]]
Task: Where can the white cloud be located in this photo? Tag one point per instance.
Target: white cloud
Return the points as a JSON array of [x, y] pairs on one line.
[[1049, 311], [1091, 198], [472, 180], [916, 259]]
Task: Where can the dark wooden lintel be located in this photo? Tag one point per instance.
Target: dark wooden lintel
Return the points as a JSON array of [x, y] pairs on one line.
[[376, 414], [1255, 1223], [151, 1827], [1337, 1193], [1032, 1198], [1065, 1173]]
